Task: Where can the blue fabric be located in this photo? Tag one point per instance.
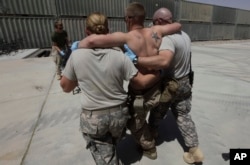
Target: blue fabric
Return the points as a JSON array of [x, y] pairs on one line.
[[129, 52], [74, 46]]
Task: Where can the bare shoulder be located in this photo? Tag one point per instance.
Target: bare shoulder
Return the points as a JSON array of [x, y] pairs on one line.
[[154, 33], [132, 33], [156, 28]]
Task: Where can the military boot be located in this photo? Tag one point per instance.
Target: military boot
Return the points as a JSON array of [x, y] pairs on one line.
[[58, 76], [194, 155], [151, 153]]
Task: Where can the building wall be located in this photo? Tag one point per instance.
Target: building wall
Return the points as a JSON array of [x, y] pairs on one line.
[[32, 20]]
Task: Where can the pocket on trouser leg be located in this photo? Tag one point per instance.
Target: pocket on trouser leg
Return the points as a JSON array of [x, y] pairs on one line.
[[152, 97], [53, 54], [166, 96], [88, 125], [169, 91], [102, 152], [106, 154], [118, 122]]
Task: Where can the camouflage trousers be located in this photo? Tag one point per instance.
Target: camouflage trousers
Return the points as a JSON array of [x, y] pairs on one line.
[[57, 59], [180, 105], [102, 131], [138, 124]]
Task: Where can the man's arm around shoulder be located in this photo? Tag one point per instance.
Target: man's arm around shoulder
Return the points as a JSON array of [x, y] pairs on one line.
[[157, 62], [168, 28], [104, 40], [144, 81]]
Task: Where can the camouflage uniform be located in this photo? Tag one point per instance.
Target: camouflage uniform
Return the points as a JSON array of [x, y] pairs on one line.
[[57, 59], [102, 129], [180, 103], [61, 41], [140, 105]]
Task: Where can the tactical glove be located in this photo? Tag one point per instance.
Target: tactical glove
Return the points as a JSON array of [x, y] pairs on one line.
[[62, 53], [74, 46], [129, 53]]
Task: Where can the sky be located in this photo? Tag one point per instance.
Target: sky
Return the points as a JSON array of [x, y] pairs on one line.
[[238, 4]]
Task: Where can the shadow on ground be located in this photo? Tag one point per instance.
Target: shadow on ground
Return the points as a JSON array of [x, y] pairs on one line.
[[168, 131]]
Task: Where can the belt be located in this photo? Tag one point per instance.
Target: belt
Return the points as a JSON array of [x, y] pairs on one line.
[[104, 110]]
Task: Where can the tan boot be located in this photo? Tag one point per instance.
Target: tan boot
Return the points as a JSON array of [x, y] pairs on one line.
[[194, 155], [151, 154], [58, 76]]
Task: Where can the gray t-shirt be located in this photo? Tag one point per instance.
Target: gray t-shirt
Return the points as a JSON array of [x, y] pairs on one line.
[[100, 74], [180, 45]]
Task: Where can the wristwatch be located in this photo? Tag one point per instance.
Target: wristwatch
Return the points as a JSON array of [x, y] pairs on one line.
[[135, 60]]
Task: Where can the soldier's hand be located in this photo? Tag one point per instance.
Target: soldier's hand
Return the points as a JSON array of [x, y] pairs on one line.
[[62, 53], [129, 52], [74, 45]]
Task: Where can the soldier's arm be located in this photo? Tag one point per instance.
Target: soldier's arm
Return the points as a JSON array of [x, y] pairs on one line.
[[57, 48], [69, 79], [143, 81], [104, 40], [167, 29], [157, 62]]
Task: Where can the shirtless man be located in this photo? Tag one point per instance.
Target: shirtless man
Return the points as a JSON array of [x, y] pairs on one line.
[[143, 42]]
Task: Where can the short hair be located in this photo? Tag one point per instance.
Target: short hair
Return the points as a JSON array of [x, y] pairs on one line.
[[163, 13], [57, 22], [136, 9], [97, 23]]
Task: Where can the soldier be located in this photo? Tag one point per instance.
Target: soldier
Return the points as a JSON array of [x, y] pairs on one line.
[[144, 42], [59, 45], [100, 74], [175, 60]]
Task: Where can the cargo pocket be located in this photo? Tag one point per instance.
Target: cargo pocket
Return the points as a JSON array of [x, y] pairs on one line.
[[152, 97], [88, 124], [169, 91], [124, 118]]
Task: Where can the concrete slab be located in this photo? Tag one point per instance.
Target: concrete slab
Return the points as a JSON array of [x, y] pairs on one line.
[[24, 87], [39, 124], [20, 54]]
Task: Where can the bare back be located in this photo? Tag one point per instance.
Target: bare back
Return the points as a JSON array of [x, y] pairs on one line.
[[144, 42]]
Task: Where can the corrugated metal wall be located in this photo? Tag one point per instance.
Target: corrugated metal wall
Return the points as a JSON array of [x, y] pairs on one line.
[[243, 17], [75, 28], [112, 8], [35, 32], [197, 31], [224, 15], [195, 12], [152, 5], [242, 32], [33, 20], [222, 32], [29, 7]]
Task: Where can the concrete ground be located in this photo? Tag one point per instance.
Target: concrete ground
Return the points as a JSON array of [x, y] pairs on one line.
[[39, 124]]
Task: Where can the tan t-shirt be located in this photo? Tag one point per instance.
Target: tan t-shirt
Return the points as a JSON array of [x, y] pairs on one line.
[[180, 45], [100, 74]]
